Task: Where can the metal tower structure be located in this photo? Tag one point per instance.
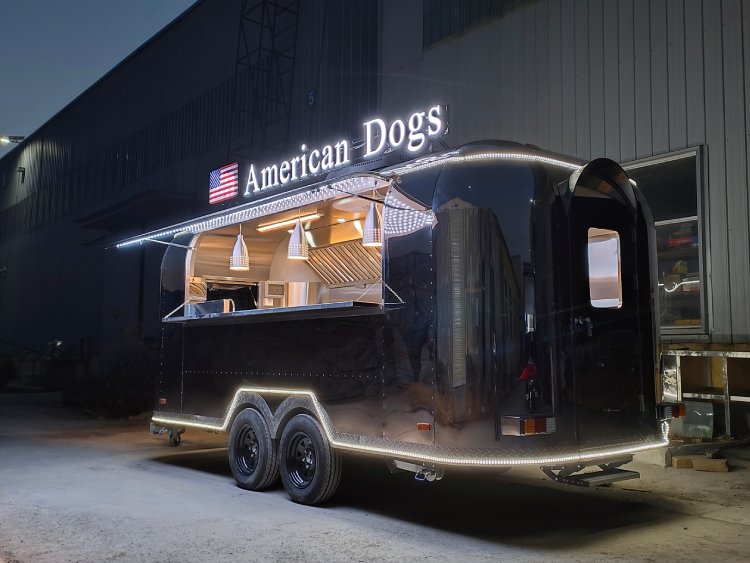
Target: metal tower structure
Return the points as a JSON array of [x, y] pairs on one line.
[[263, 79]]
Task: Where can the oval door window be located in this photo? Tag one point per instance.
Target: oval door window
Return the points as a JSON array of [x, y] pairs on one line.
[[605, 276]]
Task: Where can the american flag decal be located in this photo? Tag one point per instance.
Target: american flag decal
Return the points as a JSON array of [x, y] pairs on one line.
[[223, 183]]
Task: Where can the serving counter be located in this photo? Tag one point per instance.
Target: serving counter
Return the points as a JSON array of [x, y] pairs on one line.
[[320, 310]]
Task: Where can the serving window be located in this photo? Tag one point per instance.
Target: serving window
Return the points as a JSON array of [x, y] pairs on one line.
[[320, 254]]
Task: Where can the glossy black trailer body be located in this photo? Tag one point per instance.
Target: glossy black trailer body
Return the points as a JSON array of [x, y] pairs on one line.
[[499, 282]]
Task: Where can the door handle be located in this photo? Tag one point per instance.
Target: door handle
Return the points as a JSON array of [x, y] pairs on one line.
[[587, 322]]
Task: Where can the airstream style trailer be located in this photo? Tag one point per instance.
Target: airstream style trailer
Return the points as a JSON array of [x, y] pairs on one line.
[[489, 306]]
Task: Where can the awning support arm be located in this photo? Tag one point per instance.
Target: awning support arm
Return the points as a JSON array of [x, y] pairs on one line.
[[173, 311], [167, 243]]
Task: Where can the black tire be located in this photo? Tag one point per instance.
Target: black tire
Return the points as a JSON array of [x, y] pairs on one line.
[[310, 467], [252, 455], [175, 439]]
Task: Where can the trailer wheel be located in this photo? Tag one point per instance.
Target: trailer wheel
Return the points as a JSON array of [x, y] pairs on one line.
[[252, 455], [310, 467]]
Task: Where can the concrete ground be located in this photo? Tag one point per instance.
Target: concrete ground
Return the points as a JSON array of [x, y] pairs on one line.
[[74, 489]]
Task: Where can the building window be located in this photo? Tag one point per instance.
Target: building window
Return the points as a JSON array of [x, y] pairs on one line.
[[605, 277], [671, 185]]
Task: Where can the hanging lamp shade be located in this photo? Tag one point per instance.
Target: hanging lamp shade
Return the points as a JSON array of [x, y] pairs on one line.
[[298, 248], [372, 235], [240, 260]]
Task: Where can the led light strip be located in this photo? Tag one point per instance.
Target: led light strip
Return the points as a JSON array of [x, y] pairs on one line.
[[400, 219], [288, 222], [338, 441], [324, 191], [304, 196], [432, 162]]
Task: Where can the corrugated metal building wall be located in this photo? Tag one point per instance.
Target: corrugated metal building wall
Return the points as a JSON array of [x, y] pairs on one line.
[[625, 79], [134, 152], [337, 62], [125, 152]]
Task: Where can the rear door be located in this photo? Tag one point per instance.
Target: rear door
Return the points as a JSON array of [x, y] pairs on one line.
[[605, 315]]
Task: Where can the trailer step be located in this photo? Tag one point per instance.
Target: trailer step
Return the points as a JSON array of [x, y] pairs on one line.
[[603, 477], [609, 473]]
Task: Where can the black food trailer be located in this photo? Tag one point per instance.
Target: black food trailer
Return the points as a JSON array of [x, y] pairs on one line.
[[490, 306]]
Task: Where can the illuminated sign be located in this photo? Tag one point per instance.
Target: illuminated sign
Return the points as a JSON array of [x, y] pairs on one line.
[[420, 126], [309, 163], [223, 184], [412, 133]]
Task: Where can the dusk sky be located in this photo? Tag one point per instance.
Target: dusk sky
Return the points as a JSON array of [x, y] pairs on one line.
[[53, 50]]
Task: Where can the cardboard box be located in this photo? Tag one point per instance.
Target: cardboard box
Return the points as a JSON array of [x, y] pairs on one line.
[[705, 464]]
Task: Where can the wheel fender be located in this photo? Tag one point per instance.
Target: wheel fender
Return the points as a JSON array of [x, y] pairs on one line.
[[292, 405], [252, 399]]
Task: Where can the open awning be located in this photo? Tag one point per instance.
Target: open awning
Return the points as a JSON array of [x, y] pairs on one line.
[[352, 184]]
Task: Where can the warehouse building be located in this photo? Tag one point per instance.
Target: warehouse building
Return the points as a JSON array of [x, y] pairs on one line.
[[660, 87]]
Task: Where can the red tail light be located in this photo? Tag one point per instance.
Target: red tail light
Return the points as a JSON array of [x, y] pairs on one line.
[[528, 425], [673, 411]]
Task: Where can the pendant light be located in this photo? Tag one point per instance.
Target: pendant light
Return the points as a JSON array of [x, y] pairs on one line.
[[240, 260], [298, 248], [372, 235]]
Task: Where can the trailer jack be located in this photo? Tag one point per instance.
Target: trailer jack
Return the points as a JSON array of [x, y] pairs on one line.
[[175, 433], [421, 472], [609, 472], [175, 436]]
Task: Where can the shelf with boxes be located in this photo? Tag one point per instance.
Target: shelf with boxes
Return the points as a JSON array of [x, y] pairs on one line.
[[713, 384], [679, 259]]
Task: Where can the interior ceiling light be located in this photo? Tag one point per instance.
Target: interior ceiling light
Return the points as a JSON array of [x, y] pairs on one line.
[[372, 235], [280, 224], [240, 260], [298, 248]]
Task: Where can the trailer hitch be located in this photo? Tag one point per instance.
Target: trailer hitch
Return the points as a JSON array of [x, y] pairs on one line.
[[421, 472]]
